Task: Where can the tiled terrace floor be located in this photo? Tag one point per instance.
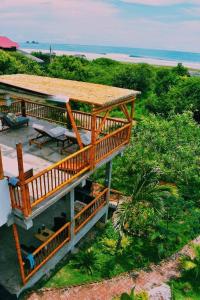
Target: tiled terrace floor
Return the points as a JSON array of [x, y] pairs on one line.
[[35, 158]]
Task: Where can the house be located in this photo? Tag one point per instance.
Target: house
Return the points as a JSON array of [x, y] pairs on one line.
[[48, 203], [8, 44]]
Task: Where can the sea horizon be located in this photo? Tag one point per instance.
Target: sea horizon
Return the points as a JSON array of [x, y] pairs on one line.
[[173, 55]]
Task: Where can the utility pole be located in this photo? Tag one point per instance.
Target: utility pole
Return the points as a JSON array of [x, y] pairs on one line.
[[50, 53]]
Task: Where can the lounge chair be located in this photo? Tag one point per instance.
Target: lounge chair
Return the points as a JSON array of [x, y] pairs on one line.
[[17, 122], [45, 134], [84, 134]]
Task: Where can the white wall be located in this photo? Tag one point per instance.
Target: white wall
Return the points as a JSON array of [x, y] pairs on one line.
[[5, 203]]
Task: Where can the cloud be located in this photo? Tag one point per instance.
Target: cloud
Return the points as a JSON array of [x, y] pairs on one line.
[[161, 2], [192, 11], [97, 22]]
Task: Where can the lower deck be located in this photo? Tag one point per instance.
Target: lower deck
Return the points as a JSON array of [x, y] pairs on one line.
[[46, 252]]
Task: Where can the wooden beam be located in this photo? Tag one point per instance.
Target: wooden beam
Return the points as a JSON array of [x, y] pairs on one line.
[[102, 124], [98, 110], [125, 111], [1, 166], [19, 255], [69, 111], [24, 189]]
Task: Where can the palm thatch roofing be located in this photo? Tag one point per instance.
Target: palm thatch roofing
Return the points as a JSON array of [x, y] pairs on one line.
[[95, 94]]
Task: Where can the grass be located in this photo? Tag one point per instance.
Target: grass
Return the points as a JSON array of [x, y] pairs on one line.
[[185, 289], [105, 262], [68, 276]]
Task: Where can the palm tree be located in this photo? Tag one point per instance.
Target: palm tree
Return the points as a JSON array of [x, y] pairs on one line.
[[191, 265], [145, 205]]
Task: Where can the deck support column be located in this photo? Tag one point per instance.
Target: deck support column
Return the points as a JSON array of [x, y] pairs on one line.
[[108, 179], [70, 213]]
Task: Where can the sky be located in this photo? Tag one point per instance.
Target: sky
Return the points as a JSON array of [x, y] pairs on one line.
[[154, 24]]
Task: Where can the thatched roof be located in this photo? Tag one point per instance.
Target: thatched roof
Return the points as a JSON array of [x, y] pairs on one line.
[[97, 94]]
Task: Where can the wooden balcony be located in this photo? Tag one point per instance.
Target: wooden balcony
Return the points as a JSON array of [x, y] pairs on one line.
[[115, 133], [42, 254], [108, 135], [60, 238]]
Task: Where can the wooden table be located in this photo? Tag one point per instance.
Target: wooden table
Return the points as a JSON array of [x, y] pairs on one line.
[[62, 139], [44, 235]]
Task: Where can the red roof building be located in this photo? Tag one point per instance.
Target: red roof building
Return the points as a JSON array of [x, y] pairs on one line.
[[7, 44]]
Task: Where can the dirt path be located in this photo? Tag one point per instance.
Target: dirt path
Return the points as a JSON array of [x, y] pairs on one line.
[[108, 289]]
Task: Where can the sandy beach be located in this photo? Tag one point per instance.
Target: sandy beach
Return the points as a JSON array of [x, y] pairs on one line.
[[121, 58]]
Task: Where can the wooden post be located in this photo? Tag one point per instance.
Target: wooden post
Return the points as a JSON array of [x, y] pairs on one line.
[[125, 111], [19, 255], [69, 111], [1, 166], [24, 191], [93, 140], [23, 108], [131, 117], [102, 124]]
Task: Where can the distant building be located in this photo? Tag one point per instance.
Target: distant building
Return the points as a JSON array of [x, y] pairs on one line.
[[8, 44]]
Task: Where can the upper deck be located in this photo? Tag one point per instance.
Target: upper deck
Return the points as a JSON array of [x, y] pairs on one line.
[[52, 170]]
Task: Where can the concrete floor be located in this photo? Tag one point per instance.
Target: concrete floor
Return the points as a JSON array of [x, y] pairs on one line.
[[46, 218], [35, 158], [9, 267]]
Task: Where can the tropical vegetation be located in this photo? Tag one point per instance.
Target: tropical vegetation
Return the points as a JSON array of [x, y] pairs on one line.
[[159, 172], [187, 286]]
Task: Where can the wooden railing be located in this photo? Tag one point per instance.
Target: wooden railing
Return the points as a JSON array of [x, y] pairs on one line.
[[14, 107], [110, 143], [47, 249], [46, 112], [84, 120], [47, 182], [16, 197], [39, 187], [90, 210], [42, 254], [50, 180], [58, 115]]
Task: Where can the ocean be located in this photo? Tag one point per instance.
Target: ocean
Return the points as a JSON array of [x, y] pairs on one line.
[[133, 52]]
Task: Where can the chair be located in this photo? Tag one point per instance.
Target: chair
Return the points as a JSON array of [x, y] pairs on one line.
[[84, 193], [29, 261], [85, 136], [18, 122], [45, 134], [59, 222]]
